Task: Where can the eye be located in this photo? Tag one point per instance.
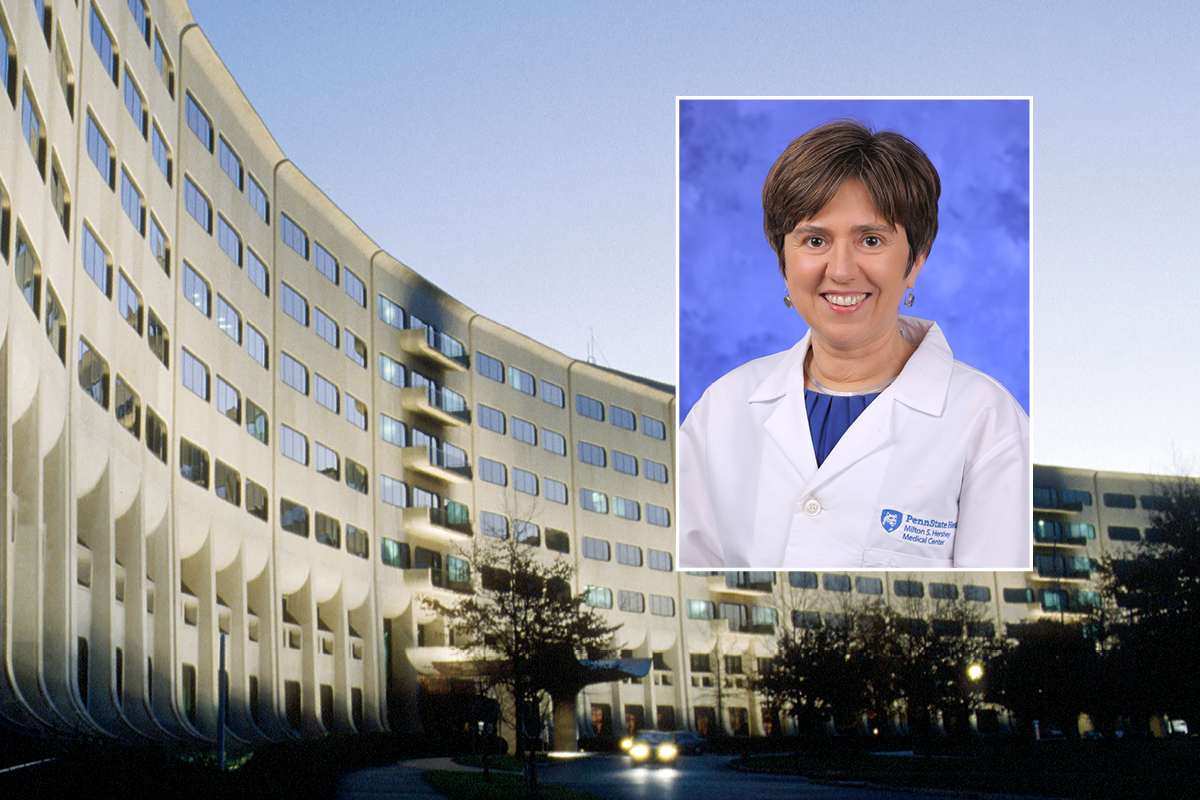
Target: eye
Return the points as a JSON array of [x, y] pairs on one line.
[[815, 241], [872, 241]]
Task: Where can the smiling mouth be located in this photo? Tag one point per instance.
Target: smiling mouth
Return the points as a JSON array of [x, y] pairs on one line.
[[845, 299]]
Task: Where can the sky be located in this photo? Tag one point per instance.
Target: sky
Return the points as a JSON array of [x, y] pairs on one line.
[[523, 158]]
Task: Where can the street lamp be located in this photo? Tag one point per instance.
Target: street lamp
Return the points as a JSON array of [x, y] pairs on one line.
[[975, 672]]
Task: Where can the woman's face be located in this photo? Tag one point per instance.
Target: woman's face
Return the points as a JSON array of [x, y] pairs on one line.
[[845, 271]]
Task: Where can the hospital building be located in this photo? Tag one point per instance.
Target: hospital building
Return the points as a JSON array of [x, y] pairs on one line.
[[227, 413]]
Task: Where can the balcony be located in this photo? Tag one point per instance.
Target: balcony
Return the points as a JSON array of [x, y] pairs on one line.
[[432, 461], [438, 521], [427, 579], [435, 347], [436, 403]]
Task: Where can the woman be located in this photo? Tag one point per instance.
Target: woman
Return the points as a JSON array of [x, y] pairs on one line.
[[866, 445]]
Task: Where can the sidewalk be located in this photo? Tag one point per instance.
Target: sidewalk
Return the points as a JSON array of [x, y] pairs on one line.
[[402, 779]]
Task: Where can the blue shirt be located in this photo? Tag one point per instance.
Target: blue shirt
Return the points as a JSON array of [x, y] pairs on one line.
[[829, 416]]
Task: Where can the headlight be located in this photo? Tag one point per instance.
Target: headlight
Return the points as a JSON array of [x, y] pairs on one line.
[[667, 752], [639, 751], [626, 743]]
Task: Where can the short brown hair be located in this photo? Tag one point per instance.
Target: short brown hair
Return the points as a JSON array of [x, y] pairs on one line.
[[900, 179]]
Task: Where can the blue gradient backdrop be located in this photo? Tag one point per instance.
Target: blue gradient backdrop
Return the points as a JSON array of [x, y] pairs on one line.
[[975, 283]]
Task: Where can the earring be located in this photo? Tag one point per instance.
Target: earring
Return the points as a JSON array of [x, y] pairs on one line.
[[908, 301], [787, 301]]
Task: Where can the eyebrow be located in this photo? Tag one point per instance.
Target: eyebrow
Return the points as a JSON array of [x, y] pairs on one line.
[[817, 230]]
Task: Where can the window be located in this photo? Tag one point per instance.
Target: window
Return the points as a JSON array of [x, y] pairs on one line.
[[524, 481], [194, 374], [623, 462], [325, 327], [293, 235], [156, 435], [1061, 499], [634, 602], [803, 580], [592, 454], [356, 412], [199, 122], [598, 597], [227, 483], [293, 444], [197, 204], [34, 131], [356, 476], [1021, 595], [56, 324], [554, 442], [394, 554], [258, 200], [161, 153], [943, 591], [326, 461], [325, 263], [135, 104], [256, 500], [626, 508], [131, 201], [909, 588], [699, 609], [552, 394], [976, 594], [62, 62], [391, 370], [355, 349], [228, 400], [657, 515], [494, 525], [257, 272], [60, 197], [193, 463], [128, 408], [326, 393], [623, 418], [662, 606], [100, 152], [391, 313], [491, 418], [293, 304], [864, 585], [489, 367], [96, 262], [554, 491], [354, 287], [293, 517], [629, 554], [558, 541], [293, 373], [257, 423], [256, 345], [160, 248], [196, 289], [493, 471], [158, 339], [163, 61], [836, 583], [524, 431], [595, 548], [392, 430], [1122, 533], [735, 613], [102, 42], [230, 163], [28, 270], [653, 427], [229, 240], [806, 620], [589, 407], [654, 470], [393, 492], [593, 501], [521, 380], [229, 320], [526, 532]]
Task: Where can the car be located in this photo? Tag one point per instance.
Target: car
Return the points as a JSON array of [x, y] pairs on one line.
[[688, 742], [652, 746]]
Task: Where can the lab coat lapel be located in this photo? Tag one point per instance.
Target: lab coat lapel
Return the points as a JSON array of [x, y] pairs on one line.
[[787, 424]]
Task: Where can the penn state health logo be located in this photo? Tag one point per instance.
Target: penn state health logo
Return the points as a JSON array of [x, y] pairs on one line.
[[890, 519]]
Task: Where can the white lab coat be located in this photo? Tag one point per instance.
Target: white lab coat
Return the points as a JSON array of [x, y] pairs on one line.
[[934, 474]]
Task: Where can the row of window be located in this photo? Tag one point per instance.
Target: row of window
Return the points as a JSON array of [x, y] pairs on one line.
[[628, 554], [94, 377], [1077, 499], [196, 378], [633, 602], [294, 518], [755, 619], [1052, 531], [591, 500], [494, 420], [595, 455], [1055, 599], [874, 586], [27, 271]]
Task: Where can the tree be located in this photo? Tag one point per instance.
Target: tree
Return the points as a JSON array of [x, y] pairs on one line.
[[1051, 675], [526, 625], [1149, 617]]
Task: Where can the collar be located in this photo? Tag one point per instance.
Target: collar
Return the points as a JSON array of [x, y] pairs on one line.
[[922, 385]]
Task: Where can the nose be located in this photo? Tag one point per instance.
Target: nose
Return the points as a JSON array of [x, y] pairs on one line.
[[841, 267]]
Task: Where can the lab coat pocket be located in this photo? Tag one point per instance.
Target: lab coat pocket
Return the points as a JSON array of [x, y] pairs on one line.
[[875, 558]]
